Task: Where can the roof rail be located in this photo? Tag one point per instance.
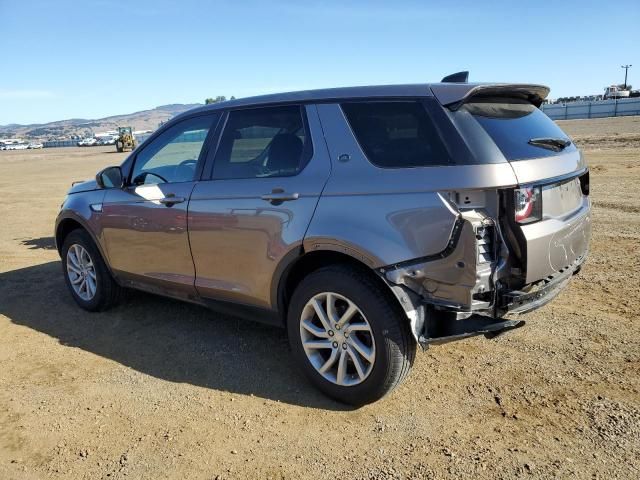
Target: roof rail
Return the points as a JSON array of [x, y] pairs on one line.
[[458, 77]]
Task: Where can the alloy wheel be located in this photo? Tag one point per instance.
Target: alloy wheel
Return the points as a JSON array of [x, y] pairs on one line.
[[81, 272], [337, 339]]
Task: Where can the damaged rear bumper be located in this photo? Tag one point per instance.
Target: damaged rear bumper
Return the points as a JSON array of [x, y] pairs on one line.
[[462, 292], [540, 293]]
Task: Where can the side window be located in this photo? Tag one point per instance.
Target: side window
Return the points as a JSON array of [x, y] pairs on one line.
[[396, 134], [173, 156], [263, 142]]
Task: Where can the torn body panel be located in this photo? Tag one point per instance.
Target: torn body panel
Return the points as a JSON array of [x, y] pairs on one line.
[[460, 278]]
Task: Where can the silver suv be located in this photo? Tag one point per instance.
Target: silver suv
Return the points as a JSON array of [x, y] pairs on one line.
[[366, 220]]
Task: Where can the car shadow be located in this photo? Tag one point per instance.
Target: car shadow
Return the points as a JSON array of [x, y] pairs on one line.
[[168, 339], [44, 243]]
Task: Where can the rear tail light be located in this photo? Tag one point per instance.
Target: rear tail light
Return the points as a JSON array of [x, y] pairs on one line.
[[528, 204]]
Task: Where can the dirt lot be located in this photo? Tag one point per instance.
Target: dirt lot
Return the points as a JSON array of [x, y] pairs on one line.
[[160, 389]]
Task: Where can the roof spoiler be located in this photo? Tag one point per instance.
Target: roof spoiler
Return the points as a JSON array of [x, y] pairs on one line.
[[454, 96], [458, 77]]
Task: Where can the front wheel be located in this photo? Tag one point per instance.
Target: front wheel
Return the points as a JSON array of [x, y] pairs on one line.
[[349, 335], [86, 274]]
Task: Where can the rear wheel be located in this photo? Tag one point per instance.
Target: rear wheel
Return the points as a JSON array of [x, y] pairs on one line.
[[349, 335], [86, 274]]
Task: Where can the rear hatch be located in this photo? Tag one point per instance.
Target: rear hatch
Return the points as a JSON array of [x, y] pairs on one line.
[[548, 212]]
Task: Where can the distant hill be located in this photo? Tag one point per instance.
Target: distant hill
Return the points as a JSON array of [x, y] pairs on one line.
[[81, 127]]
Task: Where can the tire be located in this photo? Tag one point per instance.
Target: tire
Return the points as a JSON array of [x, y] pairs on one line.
[[388, 340], [106, 291], [119, 146]]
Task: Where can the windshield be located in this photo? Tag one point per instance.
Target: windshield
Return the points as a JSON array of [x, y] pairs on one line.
[[519, 129]]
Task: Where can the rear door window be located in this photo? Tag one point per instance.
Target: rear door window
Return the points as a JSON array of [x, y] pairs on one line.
[[263, 142], [519, 129], [396, 134]]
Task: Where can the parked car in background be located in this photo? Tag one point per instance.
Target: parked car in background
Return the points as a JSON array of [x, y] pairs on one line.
[[87, 142], [366, 220], [106, 141], [11, 144], [35, 145], [17, 146]]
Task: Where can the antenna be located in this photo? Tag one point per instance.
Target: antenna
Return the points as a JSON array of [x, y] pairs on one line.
[[458, 77]]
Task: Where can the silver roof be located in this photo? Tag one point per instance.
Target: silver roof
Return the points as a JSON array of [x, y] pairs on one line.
[[327, 94], [445, 92]]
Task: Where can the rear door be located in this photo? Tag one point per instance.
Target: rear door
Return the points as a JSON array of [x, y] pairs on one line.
[[145, 222], [269, 170]]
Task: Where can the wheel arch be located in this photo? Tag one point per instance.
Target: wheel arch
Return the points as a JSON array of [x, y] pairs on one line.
[[69, 223], [301, 264], [64, 228]]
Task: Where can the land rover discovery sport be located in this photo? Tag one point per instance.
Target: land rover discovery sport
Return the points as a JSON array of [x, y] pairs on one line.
[[366, 221]]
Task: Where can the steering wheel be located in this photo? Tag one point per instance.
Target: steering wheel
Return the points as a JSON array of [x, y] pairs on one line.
[[141, 179], [261, 170]]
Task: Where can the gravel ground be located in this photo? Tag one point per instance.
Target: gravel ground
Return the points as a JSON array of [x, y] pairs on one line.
[[160, 389]]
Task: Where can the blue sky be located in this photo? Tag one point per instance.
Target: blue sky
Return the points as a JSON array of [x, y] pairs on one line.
[[89, 59]]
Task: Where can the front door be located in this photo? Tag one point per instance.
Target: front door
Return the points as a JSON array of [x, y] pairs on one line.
[[145, 223], [268, 173]]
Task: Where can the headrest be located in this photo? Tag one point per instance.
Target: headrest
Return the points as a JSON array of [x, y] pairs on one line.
[[285, 152]]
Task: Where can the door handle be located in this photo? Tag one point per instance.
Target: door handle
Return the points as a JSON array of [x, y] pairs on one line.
[[171, 199], [280, 196]]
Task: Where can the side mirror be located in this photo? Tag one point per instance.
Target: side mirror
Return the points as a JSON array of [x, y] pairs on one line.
[[110, 177]]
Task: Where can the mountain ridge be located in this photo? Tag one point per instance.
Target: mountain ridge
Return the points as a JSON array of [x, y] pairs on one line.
[[81, 127]]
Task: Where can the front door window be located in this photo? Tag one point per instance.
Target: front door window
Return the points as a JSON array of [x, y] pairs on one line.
[[173, 156]]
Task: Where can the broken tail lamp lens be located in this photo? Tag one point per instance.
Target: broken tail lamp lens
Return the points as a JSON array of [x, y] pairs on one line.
[[528, 204]]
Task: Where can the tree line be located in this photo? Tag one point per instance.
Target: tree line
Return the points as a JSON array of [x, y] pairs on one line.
[[219, 98]]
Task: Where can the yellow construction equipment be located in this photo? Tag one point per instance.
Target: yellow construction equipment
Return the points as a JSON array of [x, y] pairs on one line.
[[126, 142]]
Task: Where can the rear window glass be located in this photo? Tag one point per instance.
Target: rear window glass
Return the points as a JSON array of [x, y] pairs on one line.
[[396, 134], [512, 124]]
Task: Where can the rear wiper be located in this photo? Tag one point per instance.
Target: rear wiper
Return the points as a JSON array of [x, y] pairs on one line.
[[555, 144]]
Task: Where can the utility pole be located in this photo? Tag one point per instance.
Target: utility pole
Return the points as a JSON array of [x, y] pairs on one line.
[[626, 70]]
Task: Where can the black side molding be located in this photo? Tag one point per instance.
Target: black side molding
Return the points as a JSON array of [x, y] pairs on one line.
[[450, 331]]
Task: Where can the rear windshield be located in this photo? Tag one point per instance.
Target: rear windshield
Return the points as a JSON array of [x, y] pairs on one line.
[[396, 134], [512, 124]]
